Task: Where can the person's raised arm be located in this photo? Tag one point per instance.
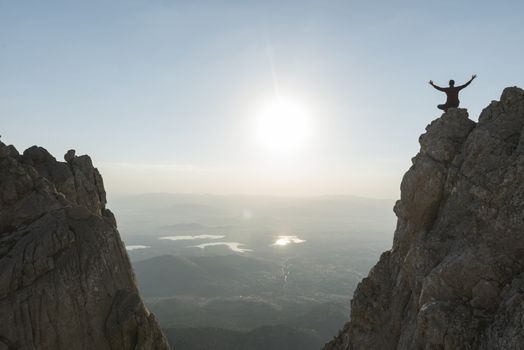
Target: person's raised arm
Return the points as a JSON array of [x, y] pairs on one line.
[[435, 86], [469, 82]]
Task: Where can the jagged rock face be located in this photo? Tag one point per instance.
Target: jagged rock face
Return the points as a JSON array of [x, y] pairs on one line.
[[454, 278], [65, 278]]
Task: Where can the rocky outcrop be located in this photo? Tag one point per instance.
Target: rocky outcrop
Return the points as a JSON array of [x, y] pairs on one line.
[[65, 278], [454, 278]]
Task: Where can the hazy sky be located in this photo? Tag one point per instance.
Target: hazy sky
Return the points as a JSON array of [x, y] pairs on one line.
[[163, 94]]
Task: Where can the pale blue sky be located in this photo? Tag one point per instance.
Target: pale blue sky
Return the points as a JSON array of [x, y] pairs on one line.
[[162, 94]]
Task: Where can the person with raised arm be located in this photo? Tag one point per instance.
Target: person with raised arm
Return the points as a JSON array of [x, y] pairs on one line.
[[452, 93]]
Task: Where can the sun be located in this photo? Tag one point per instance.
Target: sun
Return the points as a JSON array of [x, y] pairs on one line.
[[282, 126]]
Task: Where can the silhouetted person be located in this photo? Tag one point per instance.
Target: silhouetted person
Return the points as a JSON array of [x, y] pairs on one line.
[[452, 93]]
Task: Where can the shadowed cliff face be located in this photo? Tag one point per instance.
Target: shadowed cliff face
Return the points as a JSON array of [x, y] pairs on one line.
[[65, 278], [454, 278]]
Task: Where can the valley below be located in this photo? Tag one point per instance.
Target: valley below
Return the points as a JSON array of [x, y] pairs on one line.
[[243, 272]]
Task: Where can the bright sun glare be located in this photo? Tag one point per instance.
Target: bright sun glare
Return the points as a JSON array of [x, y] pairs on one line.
[[282, 126]]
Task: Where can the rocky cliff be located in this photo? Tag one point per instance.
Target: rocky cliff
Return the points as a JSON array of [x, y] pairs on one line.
[[454, 278], [65, 278]]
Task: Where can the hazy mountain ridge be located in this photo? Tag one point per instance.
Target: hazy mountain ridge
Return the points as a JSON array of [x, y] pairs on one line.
[[454, 276], [65, 278]]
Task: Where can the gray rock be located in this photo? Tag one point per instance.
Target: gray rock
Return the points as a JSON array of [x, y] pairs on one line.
[[65, 278], [4, 151], [69, 156], [454, 278]]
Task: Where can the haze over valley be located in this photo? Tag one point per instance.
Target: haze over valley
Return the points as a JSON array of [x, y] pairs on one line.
[[239, 270]]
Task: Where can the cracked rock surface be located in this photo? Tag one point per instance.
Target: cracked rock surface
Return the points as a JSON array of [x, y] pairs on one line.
[[65, 278], [454, 278]]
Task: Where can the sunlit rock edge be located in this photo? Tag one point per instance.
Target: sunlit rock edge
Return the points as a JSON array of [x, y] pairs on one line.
[[454, 278]]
